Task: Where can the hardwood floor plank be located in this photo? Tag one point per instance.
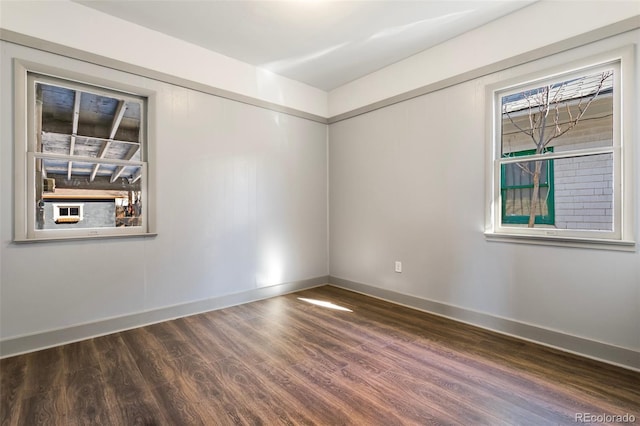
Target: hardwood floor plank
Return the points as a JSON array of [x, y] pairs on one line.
[[177, 406], [252, 397], [79, 356], [171, 339], [46, 370], [384, 391], [294, 342], [343, 326], [236, 314], [126, 391], [198, 378], [361, 410], [44, 408], [12, 388], [86, 400], [286, 361], [202, 337], [228, 338], [150, 357], [311, 401], [475, 403], [270, 342], [380, 324]]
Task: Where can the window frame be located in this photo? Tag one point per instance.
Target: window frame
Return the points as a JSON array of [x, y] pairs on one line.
[[25, 154], [622, 237]]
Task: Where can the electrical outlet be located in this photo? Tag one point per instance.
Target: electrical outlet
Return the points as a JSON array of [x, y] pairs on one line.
[[398, 266]]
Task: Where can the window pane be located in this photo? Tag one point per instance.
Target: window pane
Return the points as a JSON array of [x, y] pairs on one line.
[[519, 192], [574, 193], [107, 202], [584, 192], [569, 114], [80, 113]]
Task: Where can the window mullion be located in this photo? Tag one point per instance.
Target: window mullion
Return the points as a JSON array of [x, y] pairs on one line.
[[557, 155]]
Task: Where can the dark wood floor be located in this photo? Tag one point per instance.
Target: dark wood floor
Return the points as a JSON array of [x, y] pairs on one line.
[[285, 361]]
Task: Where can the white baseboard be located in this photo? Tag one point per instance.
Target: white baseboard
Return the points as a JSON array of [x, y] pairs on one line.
[[33, 342], [599, 351]]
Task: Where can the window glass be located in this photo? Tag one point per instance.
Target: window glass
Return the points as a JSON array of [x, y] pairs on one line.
[[584, 193], [517, 191]]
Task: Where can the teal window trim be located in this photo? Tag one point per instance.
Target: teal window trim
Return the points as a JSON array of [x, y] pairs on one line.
[[548, 219]]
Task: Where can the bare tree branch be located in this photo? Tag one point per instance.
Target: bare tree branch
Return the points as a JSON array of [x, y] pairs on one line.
[[573, 122]]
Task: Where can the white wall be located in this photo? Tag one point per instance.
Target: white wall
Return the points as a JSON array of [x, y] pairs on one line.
[[241, 204], [545, 22], [81, 27], [406, 183]]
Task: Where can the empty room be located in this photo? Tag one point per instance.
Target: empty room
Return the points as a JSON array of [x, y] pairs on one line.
[[312, 212]]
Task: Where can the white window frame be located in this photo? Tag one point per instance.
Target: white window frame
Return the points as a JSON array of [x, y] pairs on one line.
[[25, 154], [622, 237]]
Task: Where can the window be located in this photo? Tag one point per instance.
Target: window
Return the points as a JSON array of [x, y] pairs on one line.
[[67, 213], [83, 155], [559, 171]]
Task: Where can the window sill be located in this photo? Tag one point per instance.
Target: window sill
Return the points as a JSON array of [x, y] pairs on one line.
[[67, 220], [559, 241], [83, 238]]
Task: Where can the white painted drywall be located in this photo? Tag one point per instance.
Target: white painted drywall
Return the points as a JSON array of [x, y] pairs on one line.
[[92, 31], [406, 184], [541, 24], [240, 205]]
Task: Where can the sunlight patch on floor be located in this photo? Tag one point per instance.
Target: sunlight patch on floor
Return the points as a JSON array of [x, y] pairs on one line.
[[325, 304]]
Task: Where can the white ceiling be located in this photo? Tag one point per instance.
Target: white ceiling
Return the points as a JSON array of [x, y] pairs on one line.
[[321, 43]]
